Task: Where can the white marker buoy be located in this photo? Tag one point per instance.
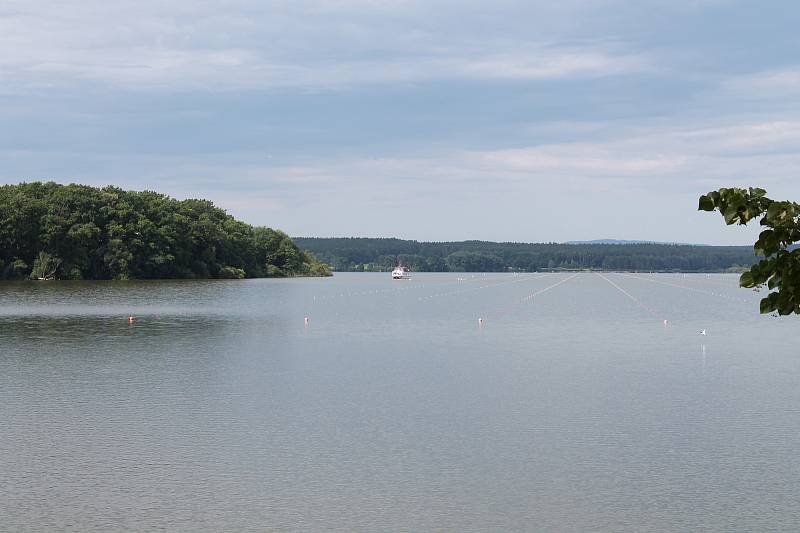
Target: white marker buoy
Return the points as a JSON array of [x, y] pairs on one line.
[[480, 321], [703, 332], [305, 321]]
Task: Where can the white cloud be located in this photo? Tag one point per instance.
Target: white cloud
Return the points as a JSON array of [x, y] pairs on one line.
[[727, 153], [662, 158], [633, 174], [509, 151], [766, 84], [212, 45]]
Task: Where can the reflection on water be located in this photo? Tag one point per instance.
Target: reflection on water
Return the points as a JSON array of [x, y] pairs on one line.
[[219, 409]]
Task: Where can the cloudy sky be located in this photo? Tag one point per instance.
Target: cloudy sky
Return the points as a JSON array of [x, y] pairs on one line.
[[429, 120]]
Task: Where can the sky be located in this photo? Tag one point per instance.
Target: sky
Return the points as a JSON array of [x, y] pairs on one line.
[[529, 121]]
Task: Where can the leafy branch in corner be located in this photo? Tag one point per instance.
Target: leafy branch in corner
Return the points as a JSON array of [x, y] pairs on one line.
[[780, 267]]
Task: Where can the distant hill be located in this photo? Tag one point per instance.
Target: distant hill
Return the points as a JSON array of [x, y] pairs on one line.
[[618, 241], [367, 254]]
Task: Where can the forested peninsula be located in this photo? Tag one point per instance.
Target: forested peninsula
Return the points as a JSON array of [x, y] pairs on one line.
[[53, 231], [364, 254]]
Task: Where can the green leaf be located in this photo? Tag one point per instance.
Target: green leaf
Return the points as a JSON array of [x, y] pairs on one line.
[[767, 243], [786, 306], [731, 214], [774, 212], [746, 280], [774, 281], [706, 203]]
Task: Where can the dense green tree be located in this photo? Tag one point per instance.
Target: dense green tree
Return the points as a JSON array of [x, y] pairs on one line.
[[779, 267], [80, 232], [468, 261], [45, 266]]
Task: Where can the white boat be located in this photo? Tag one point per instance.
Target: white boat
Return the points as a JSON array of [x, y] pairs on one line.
[[401, 272]]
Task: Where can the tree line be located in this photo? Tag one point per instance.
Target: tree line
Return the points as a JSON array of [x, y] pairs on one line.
[[372, 254], [50, 231]]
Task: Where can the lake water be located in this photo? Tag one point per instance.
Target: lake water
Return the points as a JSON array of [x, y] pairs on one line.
[[572, 408]]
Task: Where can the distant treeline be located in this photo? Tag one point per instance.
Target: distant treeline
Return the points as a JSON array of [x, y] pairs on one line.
[[52, 231], [363, 254]]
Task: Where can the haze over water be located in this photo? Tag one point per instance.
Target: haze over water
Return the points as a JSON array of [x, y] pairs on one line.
[[574, 407]]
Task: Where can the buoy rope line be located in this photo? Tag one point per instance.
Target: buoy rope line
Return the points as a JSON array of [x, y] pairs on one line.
[[517, 279], [684, 287], [403, 288], [705, 281], [365, 292], [497, 313], [473, 279], [636, 300], [480, 287]]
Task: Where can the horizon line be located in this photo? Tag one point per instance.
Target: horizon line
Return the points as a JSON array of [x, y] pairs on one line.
[[596, 242]]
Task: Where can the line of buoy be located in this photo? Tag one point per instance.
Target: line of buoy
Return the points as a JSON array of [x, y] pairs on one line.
[[480, 287], [394, 288], [694, 279], [684, 287], [635, 300], [503, 310]]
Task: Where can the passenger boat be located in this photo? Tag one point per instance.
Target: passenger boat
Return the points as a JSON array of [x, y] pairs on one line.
[[401, 272]]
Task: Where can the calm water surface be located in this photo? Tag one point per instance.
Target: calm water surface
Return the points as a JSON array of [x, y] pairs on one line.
[[572, 408]]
